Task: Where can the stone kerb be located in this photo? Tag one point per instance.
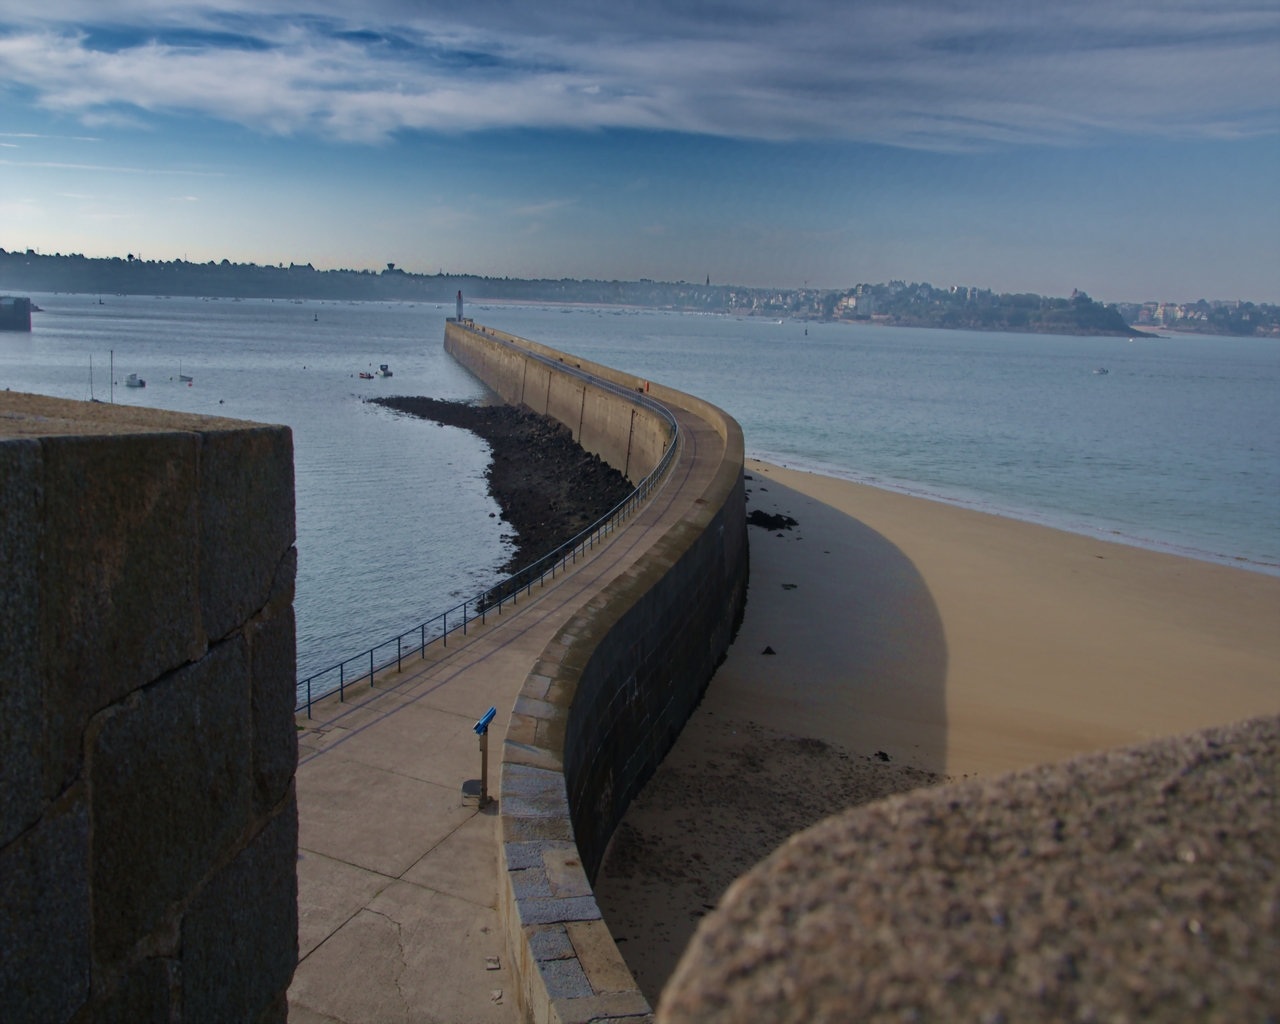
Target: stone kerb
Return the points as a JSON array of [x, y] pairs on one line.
[[1135, 884], [593, 720], [148, 828]]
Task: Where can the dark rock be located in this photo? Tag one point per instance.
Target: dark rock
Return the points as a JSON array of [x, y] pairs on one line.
[[548, 487], [768, 650], [882, 755], [768, 522]]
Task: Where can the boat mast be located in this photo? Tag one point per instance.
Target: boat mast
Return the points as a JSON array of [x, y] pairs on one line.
[[113, 376], [91, 376]]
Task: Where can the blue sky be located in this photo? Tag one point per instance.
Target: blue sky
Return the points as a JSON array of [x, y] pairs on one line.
[[1129, 149]]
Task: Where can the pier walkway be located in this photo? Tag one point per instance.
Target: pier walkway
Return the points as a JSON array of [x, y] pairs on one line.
[[397, 873]]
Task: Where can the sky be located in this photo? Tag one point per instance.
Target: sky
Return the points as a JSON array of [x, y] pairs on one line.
[[1128, 149]]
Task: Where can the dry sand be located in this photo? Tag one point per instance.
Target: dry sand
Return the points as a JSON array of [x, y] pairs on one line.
[[956, 642]]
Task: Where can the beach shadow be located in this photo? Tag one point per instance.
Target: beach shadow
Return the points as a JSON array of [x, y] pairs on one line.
[[861, 654], [850, 708]]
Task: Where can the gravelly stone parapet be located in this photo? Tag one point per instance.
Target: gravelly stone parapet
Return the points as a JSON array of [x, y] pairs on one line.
[[148, 826], [1136, 884]]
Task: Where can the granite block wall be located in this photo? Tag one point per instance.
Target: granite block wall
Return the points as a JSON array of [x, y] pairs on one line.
[[628, 437], [148, 825], [608, 696]]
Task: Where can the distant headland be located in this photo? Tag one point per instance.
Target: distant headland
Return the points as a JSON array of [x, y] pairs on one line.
[[895, 303]]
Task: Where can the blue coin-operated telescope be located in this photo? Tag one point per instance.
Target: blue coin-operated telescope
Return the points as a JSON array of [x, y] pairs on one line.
[[479, 788]]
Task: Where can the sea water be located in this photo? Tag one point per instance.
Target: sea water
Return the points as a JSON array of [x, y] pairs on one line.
[[393, 514], [1176, 447]]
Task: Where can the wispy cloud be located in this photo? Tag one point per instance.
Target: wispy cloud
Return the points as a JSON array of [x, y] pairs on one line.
[[927, 73], [39, 135], [53, 165]]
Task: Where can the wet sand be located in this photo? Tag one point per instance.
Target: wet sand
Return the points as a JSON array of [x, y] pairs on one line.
[[955, 643]]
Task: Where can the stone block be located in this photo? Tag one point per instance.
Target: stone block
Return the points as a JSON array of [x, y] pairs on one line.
[[146, 994], [534, 830], [599, 956], [240, 935], [530, 883], [246, 521], [564, 979], [118, 579], [534, 757], [170, 773], [21, 712], [550, 943], [271, 638], [564, 872], [44, 915], [601, 1008], [553, 911]]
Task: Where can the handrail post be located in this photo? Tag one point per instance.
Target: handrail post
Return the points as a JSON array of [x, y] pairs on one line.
[[398, 668], [424, 641], [464, 618], [341, 694], [308, 698], [444, 633], [371, 668]]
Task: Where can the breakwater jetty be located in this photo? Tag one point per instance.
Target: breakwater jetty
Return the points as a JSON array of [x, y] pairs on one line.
[[413, 900]]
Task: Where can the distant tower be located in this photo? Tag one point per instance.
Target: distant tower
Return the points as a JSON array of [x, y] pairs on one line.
[[459, 304], [708, 280]]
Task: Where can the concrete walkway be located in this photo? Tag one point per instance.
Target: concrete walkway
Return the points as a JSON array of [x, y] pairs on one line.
[[397, 874]]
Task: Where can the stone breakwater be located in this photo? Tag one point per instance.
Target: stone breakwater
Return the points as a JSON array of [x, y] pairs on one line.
[[148, 822], [610, 693], [1135, 884], [548, 487]]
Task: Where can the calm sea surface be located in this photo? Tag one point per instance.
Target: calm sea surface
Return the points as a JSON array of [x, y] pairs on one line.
[[1177, 447]]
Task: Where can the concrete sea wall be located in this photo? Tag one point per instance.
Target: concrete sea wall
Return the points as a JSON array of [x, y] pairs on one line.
[[611, 692], [148, 823], [630, 438]]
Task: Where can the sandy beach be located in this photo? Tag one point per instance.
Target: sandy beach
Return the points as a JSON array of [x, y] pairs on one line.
[[953, 642]]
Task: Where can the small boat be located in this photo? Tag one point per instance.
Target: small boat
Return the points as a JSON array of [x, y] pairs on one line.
[[134, 381], [365, 376], [185, 378], [1101, 369], [383, 371]]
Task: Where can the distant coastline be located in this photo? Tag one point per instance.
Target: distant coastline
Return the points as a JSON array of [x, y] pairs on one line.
[[895, 304]]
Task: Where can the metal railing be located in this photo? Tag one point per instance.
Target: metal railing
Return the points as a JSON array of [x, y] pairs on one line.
[[336, 678]]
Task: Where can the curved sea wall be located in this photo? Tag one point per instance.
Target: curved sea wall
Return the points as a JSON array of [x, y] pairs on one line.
[[611, 692], [629, 437]]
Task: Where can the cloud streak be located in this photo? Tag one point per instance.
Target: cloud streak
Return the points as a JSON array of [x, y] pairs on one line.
[[924, 74]]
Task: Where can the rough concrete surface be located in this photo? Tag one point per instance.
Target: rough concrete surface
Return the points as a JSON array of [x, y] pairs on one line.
[[1136, 884]]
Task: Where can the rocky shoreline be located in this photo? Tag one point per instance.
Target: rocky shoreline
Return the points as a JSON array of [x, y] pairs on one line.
[[548, 487]]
